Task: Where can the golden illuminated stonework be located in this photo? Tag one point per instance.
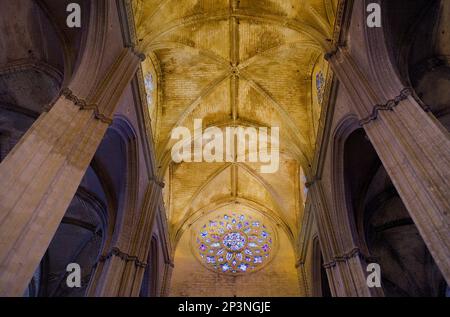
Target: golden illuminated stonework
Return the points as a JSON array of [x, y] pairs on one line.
[[234, 63]]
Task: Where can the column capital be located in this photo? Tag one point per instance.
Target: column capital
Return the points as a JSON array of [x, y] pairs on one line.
[[135, 51]]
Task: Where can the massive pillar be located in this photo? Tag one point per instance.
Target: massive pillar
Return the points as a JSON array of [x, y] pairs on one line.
[[412, 145], [41, 174], [120, 272], [344, 264]]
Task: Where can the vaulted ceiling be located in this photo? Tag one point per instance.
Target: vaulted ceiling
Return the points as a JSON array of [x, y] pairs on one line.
[[235, 63]]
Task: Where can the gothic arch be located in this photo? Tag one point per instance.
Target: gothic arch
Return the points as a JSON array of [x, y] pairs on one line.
[[349, 252], [188, 262], [120, 175], [72, 43], [320, 283], [32, 70], [79, 239], [110, 197], [127, 206], [381, 229], [421, 57], [342, 214], [149, 286]]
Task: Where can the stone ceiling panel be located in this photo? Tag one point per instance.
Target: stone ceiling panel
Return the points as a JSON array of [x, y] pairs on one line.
[[236, 63], [211, 38]]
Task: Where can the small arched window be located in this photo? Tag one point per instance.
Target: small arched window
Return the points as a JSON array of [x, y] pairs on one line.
[[303, 187], [149, 88], [320, 86]]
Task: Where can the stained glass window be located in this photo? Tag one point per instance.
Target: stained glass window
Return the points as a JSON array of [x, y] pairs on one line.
[[149, 87], [234, 243], [320, 85], [303, 186]]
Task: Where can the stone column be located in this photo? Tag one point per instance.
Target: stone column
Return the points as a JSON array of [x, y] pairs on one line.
[[168, 270], [344, 264], [120, 272], [412, 145], [42, 173], [302, 279], [142, 240]]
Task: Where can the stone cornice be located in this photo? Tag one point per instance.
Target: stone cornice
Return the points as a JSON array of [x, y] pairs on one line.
[[124, 256], [355, 252], [388, 106], [83, 105]]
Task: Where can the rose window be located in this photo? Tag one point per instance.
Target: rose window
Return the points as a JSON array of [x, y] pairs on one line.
[[234, 243]]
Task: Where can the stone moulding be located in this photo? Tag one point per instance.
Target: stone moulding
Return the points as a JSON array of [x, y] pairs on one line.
[[355, 252], [124, 256], [83, 105], [389, 106]]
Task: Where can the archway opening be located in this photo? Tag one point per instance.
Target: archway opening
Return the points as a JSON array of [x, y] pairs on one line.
[[383, 226], [234, 251]]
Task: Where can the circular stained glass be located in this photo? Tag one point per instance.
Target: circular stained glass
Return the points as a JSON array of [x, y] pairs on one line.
[[234, 243]]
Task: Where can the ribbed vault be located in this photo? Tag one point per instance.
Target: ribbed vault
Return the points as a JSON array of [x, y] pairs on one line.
[[235, 63]]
